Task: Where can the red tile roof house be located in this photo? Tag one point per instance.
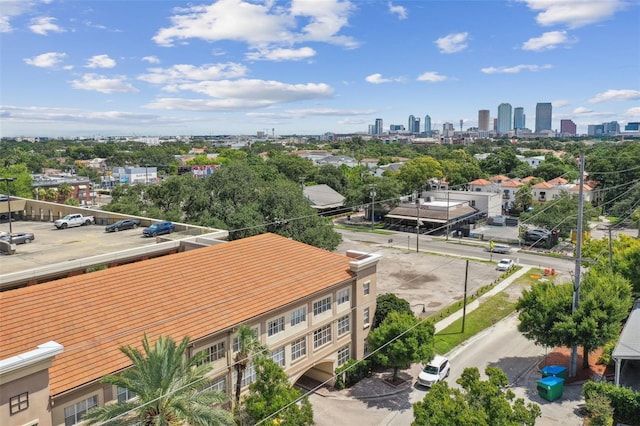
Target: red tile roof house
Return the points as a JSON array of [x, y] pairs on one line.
[[311, 307]]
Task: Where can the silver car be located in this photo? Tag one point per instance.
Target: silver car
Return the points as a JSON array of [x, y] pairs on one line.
[[18, 238]]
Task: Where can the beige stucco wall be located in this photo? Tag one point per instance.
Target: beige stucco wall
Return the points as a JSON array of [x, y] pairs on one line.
[[36, 384]]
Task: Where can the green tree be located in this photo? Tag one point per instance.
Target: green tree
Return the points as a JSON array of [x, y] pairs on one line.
[[560, 214], [21, 186], [416, 172], [524, 198], [387, 303], [65, 190], [479, 403], [168, 388], [271, 397], [547, 317], [248, 348], [400, 340]]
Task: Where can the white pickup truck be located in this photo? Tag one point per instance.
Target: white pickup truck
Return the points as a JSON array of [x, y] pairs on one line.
[[71, 220]]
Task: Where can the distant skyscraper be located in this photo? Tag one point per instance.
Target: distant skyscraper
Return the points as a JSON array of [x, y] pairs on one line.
[[632, 126], [543, 116], [410, 123], [427, 124], [484, 118], [567, 127], [504, 118], [519, 119], [378, 126]]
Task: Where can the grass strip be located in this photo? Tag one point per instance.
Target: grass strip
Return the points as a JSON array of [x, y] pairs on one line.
[[488, 313]]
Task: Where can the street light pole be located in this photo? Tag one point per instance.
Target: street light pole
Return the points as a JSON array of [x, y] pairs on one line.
[[9, 201], [417, 224]]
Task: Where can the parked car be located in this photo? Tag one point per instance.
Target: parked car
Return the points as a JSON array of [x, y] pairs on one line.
[[122, 224], [158, 229], [537, 235], [18, 238], [505, 264], [4, 197], [436, 370]]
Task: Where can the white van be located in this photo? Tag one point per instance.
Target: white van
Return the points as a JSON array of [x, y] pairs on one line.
[[499, 248]]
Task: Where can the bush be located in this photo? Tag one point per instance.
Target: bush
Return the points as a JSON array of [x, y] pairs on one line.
[[605, 358], [600, 411], [351, 373], [624, 401]]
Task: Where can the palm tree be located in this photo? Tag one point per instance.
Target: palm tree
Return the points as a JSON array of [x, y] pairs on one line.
[[168, 389], [65, 190], [248, 347]]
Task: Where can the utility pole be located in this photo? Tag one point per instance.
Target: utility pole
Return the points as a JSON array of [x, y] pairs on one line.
[[373, 204], [417, 224], [573, 362], [464, 303]]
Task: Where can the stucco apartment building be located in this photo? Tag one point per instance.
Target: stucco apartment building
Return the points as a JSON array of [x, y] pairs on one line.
[[311, 307]]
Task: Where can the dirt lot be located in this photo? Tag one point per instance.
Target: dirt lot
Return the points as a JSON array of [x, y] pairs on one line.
[[428, 280]]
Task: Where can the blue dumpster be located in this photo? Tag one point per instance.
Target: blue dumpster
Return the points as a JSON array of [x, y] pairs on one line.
[[554, 371], [550, 388]]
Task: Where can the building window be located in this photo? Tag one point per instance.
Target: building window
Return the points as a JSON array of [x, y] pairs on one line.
[[344, 325], [298, 348], [298, 316], [73, 415], [322, 305], [343, 355], [249, 375], [214, 353], [125, 394], [219, 384], [278, 356], [365, 349], [366, 317], [19, 403], [322, 336], [275, 326], [343, 296], [366, 288]]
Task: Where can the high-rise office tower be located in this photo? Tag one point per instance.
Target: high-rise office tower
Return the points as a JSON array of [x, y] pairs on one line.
[[427, 124], [504, 118], [543, 116], [378, 126], [484, 118], [567, 127], [411, 123], [519, 119]]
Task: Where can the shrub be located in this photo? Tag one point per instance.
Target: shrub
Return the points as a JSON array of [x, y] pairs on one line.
[[599, 410], [624, 401], [605, 358], [351, 373]]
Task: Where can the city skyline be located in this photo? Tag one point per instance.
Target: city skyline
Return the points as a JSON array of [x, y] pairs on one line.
[[91, 68]]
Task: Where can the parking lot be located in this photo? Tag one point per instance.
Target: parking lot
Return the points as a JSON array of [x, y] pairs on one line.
[[53, 245]]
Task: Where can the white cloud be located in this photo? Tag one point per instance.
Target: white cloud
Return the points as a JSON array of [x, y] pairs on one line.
[[582, 110], [377, 78], [616, 95], [183, 73], [547, 41], [12, 9], [151, 59], [260, 25], [103, 84], [240, 94], [432, 76], [560, 103], [515, 69], [46, 60], [57, 115], [100, 61], [280, 54], [44, 25], [401, 11], [452, 43], [633, 113], [573, 13], [303, 113]]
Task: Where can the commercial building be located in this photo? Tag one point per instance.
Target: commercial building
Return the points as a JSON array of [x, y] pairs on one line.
[[484, 118], [504, 118], [311, 307], [543, 117], [519, 118], [413, 124], [567, 128], [427, 124], [378, 128]]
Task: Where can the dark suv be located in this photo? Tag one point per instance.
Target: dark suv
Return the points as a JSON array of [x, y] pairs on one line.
[[158, 229]]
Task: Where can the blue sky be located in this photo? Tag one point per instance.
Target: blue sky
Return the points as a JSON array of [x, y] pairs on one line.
[[148, 67]]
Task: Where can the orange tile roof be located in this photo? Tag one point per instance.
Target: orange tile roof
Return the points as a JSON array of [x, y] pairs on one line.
[[511, 183], [558, 181], [499, 178], [480, 182], [528, 179], [193, 293], [543, 185]]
